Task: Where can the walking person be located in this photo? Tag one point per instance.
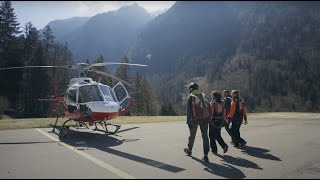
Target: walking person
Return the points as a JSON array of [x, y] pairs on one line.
[[237, 114], [218, 117], [198, 114], [227, 102]]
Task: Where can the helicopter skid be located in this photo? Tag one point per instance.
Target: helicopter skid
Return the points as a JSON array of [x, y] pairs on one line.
[[63, 130], [80, 124], [105, 125]]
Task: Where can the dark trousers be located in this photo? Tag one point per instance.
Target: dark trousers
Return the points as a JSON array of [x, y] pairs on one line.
[[215, 135], [228, 129], [204, 132], [235, 129]]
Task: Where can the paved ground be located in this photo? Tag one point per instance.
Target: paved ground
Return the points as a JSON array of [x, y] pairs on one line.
[[279, 146]]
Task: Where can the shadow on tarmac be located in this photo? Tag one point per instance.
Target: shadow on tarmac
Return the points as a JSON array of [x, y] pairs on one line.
[[103, 142], [259, 153], [223, 170], [238, 161]]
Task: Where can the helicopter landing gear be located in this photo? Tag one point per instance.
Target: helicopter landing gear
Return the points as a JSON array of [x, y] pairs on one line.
[[64, 129], [117, 128], [105, 125], [55, 124], [81, 125], [63, 132]]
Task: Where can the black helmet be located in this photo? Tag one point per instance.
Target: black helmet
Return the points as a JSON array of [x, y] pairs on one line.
[[193, 86]]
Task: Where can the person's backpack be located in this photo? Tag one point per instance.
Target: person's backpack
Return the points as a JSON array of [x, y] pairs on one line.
[[201, 107], [218, 109], [218, 113], [238, 115], [240, 104]]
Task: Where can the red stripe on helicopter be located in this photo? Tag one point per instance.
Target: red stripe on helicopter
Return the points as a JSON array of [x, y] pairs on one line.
[[103, 115]]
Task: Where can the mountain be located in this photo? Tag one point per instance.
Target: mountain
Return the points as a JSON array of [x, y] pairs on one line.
[[63, 27], [158, 12], [269, 51], [109, 34], [186, 29]]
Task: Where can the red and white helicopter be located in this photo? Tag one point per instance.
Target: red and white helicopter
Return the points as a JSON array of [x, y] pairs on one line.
[[89, 102]]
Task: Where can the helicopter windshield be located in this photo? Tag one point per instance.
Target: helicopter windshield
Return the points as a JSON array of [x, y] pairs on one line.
[[89, 93], [107, 93]]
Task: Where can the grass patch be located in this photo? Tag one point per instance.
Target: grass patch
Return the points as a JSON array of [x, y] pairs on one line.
[[45, 122]]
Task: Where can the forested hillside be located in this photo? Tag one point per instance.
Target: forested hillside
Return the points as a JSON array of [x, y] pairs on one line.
[[267, 50]]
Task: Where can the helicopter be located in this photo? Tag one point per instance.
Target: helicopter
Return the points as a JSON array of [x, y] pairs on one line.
[[86, 101]]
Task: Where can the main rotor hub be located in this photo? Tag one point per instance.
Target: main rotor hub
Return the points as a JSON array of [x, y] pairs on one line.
[[80, 80]]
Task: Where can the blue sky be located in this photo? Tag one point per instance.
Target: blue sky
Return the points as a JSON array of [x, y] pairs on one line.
[[41, 13]]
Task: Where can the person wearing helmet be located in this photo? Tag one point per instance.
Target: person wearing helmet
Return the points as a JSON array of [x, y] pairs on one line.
[[198, 113], [227, 102], [216, 123], [237, 113]]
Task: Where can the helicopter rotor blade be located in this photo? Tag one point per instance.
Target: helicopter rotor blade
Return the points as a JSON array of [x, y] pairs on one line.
[[109, 75], [77, 66], [112, 63], [24, 67]]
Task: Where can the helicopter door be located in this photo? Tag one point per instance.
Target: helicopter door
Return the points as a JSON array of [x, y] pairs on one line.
[[122, 95]]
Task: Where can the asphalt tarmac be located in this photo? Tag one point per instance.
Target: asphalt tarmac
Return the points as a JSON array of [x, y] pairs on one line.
[[280, 145]]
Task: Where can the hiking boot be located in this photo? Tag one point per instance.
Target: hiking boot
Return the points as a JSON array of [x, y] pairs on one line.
[[205, 158], [236, 145], [187, 151], [225, 148], [244, 143]]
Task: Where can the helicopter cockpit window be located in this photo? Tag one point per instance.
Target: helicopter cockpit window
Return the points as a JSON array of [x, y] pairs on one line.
[[72, 94], [107, 93], [89, 93]]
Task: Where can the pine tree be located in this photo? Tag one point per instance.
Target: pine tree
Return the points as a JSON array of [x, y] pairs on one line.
[[48, 38], [137, 95], [148, 97], [143, 96], [9, 27], [39, 84], [31, 38], [30, 44], [10, 51]]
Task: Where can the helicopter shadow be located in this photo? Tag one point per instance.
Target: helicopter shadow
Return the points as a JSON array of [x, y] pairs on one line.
[[259, 153], [239, 161], [224, 170], [103, 142]]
